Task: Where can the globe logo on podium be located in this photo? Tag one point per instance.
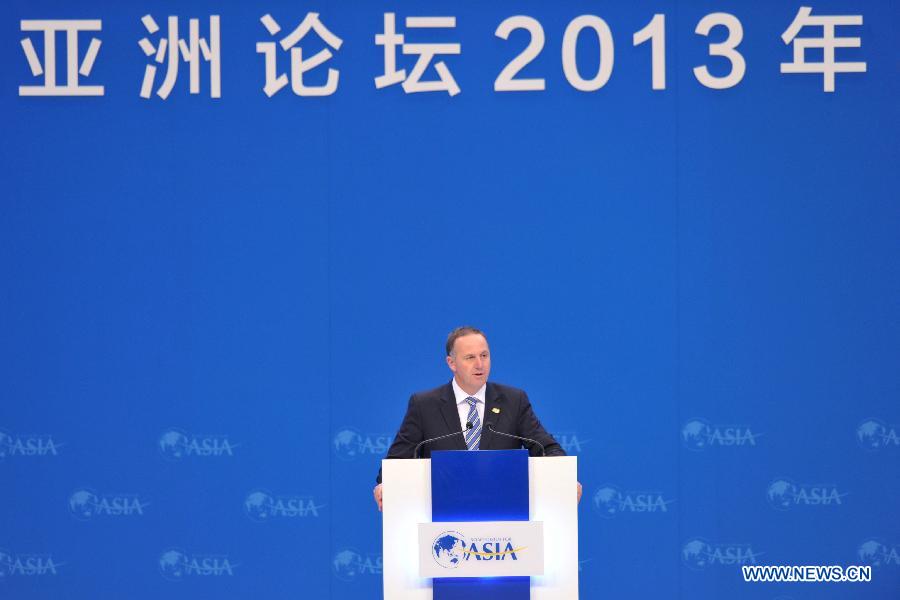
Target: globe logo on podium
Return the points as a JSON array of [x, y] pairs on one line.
[[871, 435], [448, 549], [83, 504], [172, 564], [347, 565], [173, 444]]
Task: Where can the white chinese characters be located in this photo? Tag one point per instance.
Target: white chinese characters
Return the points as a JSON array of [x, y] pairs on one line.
[[828, 42], [61, 54], [413, 83], [299, 65], [171, 48], [72, 86]]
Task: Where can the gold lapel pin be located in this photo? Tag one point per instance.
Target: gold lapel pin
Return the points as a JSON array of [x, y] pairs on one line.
[[495, 410]]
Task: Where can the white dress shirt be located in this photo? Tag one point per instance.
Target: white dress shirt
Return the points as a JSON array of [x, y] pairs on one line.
[[463, 406]]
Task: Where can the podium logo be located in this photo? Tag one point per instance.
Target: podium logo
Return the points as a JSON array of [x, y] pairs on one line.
[[176, 565], [26, 565], [261, 506], [84, 505], [450, 549], [699, 434], [349, 444], [784, 494], [175, 444], [349, 565], [875, 435], [877, 554], [27, 445], [698, 554], [610, 501]]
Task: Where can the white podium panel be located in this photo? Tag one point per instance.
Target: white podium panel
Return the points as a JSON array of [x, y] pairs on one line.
[[552, 499]]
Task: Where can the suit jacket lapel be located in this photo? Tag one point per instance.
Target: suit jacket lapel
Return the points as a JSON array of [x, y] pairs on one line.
[[451, 415], [492, 399]]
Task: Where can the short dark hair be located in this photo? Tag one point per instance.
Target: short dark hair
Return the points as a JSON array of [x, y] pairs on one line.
[[458, 333]]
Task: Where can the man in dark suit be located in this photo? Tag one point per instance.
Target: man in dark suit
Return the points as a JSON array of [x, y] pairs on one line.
[[471, 407]]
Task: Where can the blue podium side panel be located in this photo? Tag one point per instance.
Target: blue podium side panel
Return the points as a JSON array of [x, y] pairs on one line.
[[487, 485], [495, 588]]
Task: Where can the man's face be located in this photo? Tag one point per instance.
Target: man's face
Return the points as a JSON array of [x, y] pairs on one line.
[[470, 362]]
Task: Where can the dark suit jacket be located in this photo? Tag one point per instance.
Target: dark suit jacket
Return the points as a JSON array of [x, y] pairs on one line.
[[434, 413]]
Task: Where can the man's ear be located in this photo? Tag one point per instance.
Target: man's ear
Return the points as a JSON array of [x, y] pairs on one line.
[[451, 363]]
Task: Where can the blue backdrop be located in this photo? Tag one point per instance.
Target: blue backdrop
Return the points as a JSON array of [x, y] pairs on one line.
[[214, 309]]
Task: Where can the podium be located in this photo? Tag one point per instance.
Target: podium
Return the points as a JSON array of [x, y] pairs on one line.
[[503, 491]]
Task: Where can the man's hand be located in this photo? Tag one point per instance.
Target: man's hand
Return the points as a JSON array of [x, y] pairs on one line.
[[579, 496], [377, 493]]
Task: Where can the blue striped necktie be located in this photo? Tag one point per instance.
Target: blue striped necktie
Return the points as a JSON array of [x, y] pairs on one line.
[[473, 436]]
